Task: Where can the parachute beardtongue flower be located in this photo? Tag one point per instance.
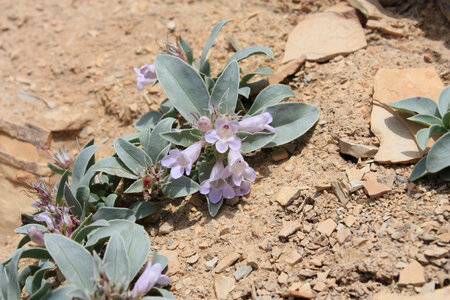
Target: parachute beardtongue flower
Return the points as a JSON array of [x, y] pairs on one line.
[[217, 185], [224, 135], [146, 76], [257, 123], [181, 161], [149, 278], [239, 168]]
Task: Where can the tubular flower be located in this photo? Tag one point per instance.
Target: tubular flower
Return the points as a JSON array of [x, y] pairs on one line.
[[204, 124], [36, 235], [239, 168], [150, 277], [181, 161], [243, 189], [257, 123], [146, 76], [224, 135], [217, 186]]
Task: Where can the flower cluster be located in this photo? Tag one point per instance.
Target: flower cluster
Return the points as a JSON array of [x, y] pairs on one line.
[[61, 158]]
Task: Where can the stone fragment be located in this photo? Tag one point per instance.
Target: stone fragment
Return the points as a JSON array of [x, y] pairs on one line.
[[242, 272], [413, 274], [286, 195], [326, 227], [292, 257], [174, 266], [288, 229], [322, 36], [166, 228], [252, 259], [304, 292], [320, 286], [193, 259], [357, 150], [223, 285], [375, 189], [353, 186], [340, 192], [349, 220], [171, 25], [282, 278], [286, 69], [279, 154], [385, 26], [226, 262], [343, 235], [210, 264], [444, 237], [435, 251]]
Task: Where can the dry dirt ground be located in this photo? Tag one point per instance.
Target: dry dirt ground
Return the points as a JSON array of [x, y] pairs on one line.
[[70, 64]]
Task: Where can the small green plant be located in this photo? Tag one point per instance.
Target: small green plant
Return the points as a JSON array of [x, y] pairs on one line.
[[437, 119]]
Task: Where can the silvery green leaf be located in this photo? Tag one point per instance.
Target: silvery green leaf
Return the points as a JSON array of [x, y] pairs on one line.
[[419, 170], [23, 241], [72, 259], [155, 144], [249, 51], [111, 213], [269, 96], [132, 138], [133, 157], [227, 84], [264, 70], [182, 137], [43, 289], [180, 187], [57, 169], [3, 281], [424, 134], [254, 141], [210, 41], [427, 120], [183, 86], [85, 230], [39, 276], [112, 165], [14, 290], [214, 208], [419, 105], [65, 292], [24, 229], [159, 259], [81, 164], [75, 206], [116, 260], [110, 200], [143, 209], [135, 187], [149, 120], [61, 184], [135, 237], [82, 195], [86, 179], [438, 157], [446, 120], [444, 101], [163, 153], [29, 252], [186, 49], [165, 293], [244, 91], [291, 120], [165, 106]]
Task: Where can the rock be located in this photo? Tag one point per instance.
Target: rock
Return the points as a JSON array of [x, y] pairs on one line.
[[171, 25], [282, 278], [444, 237], [396, 134], [193, 259], [375, 189], [326, 227], [305, 291], [349, 220], [166, 228], [203, 245], [435, 251], [288, 229], [279, 154], [226, 262], [444, 6], [356, 150], [292, 257], [210, 264], [174, 266], [343, 235], [353, 186], [286, 195], [340, 192], [286, 69], [322, 36], [320, 286], [242, 272], [435, 295], [223, 285], [354, 174], [385, 26], [276, 252], [307, 273], [413, 274]]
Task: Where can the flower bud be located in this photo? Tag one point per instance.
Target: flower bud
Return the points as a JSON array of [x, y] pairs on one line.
[[204, 124], [36, 235]]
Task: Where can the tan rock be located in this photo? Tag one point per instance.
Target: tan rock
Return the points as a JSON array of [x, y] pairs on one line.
[[286, 195], [413, 274], [174, 266], [370, 177], [282, 278], [226, 262], [343, 235], [375, 189], [291, 256], [349, 220], [435, 251], [357, 150], [354, 174], [223, 285], [326, 227], [288, 229], [435, 295], [444, 237], [305, 291], [286, 69], [385, 26], [279, 154], [320, 286], [321, 36]]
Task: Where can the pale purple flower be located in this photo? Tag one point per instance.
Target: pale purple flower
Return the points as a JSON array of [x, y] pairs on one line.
[[224, 135], [45, 217], [181, 161], [239, 168], [146, 76], [36, 235], [204, 124], [174, 50], [150, 277], [257, 123], [243, 189], [217, 186]]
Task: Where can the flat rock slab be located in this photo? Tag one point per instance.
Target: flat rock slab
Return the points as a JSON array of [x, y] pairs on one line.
[[322, 36], [357, 150], [226, 262], [413, 274], [223, 285], [375, 189], [326, 227], [396, 134]]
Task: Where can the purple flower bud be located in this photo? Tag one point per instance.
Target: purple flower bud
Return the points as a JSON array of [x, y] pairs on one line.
[[36, 235], [150, 277], [257, 123], [146, 76], [174, 50], [217, 186], [224, 135], [204, 124], [45, 217], [239, 168], [181, 161]]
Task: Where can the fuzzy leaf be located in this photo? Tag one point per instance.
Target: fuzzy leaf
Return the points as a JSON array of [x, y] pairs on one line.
[[24, 229], [80, 235], [112, 165], [143, 209], [111, 213], [244, 91], [135, 187], [444, 101], [249, 51], [419, 170], [186, 49], [180, 187], [75, 206], [446, 120], [438, 157], [424, 134], [264, 70], [228, 82], [81, 164], [254, 141], [116, 260], [163, 153], [149, 120], [133, 157], [210, 42], [269, 96], [60, 190], [427, 120], [183, 137], [159, 259], [155, 143], [214, 208], [110, 200], [413, 105]]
